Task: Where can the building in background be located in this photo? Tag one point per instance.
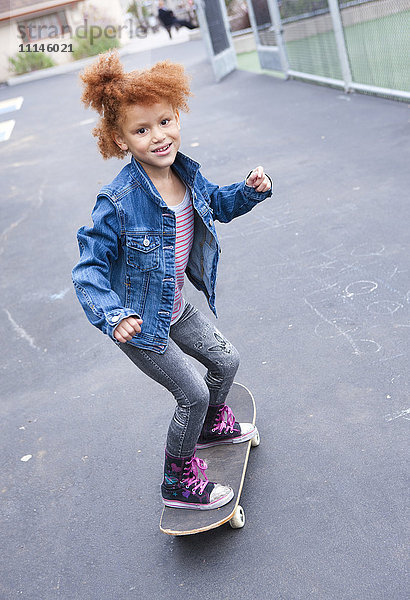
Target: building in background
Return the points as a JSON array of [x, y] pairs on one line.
[[53, 24]]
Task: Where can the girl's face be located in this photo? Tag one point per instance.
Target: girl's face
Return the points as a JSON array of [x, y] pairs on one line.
[[152, 135]]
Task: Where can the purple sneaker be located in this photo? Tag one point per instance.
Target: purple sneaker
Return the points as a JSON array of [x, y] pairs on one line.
[[220, 427], [185, 485]]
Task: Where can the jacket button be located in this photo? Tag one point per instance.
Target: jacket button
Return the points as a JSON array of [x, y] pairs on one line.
[[115, 319], [210, 223], [146, 242]]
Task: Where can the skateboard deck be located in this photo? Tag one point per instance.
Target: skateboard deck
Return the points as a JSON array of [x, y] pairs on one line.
[[226, 465]]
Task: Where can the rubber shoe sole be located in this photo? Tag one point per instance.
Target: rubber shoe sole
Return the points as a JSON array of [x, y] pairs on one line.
[[216, 504], [237, 440]]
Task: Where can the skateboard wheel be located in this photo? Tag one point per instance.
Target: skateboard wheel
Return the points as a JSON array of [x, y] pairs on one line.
[[238, 519], [256, 440]]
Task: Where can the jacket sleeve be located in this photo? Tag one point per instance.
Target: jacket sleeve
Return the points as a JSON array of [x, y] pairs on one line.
[[233, 200], [99, 248]]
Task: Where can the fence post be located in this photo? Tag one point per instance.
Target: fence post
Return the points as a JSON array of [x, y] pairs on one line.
[[252, 19], [213, 20], [277, 25], [340, 43]]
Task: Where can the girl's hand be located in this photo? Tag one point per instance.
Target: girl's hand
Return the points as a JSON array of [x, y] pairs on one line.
[[127, 328], [258, 180]]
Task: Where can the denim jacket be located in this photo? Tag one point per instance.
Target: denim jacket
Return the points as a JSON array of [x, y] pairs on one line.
[[127, 261]]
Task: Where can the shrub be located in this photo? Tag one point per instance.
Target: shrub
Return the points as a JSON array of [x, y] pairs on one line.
[[25, 62], [89, 46]]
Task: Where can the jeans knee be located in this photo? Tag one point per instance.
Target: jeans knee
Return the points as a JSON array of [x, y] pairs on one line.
[[231, 363], [235, 359], [199, 397], [223, 370]]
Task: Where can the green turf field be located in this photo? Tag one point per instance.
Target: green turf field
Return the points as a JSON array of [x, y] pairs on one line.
[[378, 50]]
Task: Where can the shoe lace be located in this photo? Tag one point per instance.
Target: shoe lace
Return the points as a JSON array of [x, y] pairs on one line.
[[192, 475], [224, 420]]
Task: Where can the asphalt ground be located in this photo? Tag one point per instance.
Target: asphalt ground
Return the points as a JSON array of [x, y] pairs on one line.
[[313, 290]]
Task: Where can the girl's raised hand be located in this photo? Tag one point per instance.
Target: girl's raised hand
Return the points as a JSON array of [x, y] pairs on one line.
[[127, 328], [258, 180]]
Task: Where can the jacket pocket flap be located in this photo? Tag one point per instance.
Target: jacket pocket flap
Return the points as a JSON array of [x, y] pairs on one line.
[[145, 242]]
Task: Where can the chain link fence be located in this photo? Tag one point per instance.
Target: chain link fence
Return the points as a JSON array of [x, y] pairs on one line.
[[309, 38], [355, 44], [377, 36]]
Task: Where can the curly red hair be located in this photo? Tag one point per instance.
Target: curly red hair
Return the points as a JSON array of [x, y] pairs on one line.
[[108, 90]]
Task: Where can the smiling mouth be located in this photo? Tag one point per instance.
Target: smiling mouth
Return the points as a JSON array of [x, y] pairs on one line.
[[162, 149]]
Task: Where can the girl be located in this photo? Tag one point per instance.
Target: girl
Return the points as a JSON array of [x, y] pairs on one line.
[[153, 224]]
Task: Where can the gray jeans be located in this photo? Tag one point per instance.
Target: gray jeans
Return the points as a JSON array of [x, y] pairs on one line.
[[195, 335]]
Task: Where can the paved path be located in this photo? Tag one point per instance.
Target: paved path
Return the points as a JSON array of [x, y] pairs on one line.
[[313, 290]]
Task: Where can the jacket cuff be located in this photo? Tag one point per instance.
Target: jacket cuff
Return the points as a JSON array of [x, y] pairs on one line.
[[114, 318], [252, 194]]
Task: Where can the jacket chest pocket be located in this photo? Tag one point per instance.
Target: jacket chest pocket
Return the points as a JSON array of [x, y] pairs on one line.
[[143, 251]]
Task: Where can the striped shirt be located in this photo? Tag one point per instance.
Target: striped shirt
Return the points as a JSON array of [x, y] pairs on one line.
[[184, 213]]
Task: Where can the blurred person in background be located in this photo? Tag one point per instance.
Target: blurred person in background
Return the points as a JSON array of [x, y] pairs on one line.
[[169, 20]]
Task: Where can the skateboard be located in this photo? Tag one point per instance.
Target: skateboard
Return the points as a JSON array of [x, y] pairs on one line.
[[227, 465]]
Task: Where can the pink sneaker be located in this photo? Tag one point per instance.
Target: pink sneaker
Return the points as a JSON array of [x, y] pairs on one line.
[[185, 485], [220, 427]]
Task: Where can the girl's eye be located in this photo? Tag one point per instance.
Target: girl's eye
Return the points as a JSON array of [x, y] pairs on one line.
[[165, 121], [141, 130]]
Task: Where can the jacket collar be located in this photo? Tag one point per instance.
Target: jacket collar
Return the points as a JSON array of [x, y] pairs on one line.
[[184, 166]]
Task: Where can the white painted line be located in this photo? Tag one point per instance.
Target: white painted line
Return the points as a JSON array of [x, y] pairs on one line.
[[20, 331], [11, 104], [6, 127]]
